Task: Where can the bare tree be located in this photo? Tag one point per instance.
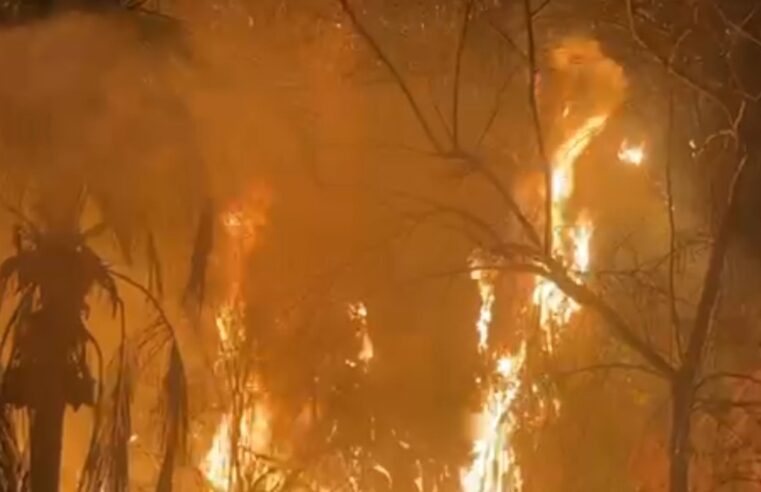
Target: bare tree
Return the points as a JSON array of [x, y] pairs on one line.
[[683, 369]]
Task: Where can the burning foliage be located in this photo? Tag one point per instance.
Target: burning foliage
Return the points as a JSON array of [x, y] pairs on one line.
[[352, 245]]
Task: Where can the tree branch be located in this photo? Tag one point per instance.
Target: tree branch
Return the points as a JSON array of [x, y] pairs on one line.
[[547, 166], [362, 31], [457, 73]]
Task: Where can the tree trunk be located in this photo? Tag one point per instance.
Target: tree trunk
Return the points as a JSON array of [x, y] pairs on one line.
[[46, 437], [682, 400]]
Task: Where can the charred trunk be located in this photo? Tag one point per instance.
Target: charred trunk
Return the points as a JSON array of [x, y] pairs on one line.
[[679, 448], [46, 437]]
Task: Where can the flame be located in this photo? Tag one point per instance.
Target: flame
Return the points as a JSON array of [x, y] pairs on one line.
[[358, 314], [631, 154], [596, 84], [241, 223], [571, 241], [485, 279], [494, 466], [253, 436]]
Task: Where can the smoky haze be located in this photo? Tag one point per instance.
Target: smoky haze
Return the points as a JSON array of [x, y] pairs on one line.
[[282, 110]]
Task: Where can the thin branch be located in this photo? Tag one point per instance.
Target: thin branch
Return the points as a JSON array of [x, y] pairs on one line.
[[505, 36], [738, 28], [467, 216], [511, 204], [609, 366], [364, 33], [532, 66], [727, 375], [457, 74], [712, 280], [670, 66], [586, 297], [150, 297], [540, 8], [495, 109]]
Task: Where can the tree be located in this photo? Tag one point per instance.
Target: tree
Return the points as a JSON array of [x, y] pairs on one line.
[[531, 249], [53, 360], [54, 270]]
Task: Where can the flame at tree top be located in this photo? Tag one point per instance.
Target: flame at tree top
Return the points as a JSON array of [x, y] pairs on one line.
[[495, 466], [570, 240]]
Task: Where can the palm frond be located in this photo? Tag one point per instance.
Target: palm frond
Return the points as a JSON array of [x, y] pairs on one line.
[[155, 279], [107, 466], [101, 275], [175, 419], [202, 247], [174, 408], [12, 465]]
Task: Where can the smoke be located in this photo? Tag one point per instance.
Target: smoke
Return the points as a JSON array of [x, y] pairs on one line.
[[155, 116]]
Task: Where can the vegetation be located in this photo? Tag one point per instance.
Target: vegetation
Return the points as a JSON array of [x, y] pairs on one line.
[[424, 160]]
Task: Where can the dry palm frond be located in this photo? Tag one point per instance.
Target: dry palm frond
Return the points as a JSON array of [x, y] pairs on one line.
[[149, 343], [175, 417], [202, 247], [155, 279], [12, 465], [107, 465]]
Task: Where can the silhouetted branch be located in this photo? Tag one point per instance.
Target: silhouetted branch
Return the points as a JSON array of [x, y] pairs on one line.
[[457, 73], [362, 31], [607, 367], [539, 133]]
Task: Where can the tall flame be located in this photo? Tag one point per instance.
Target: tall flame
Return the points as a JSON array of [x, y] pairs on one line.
[[494, 466], [570, 241], [246, 429]]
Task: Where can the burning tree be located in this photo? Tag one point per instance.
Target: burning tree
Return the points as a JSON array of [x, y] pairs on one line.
[[554, 246]]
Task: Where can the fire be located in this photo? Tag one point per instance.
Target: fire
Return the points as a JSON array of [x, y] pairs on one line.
[[631, 154], [494, 466], [485, 278], [244, 429], [252, 436], [570, 241], [358, 314]]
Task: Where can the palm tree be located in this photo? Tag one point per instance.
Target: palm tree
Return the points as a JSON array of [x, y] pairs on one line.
[[53, 271]]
